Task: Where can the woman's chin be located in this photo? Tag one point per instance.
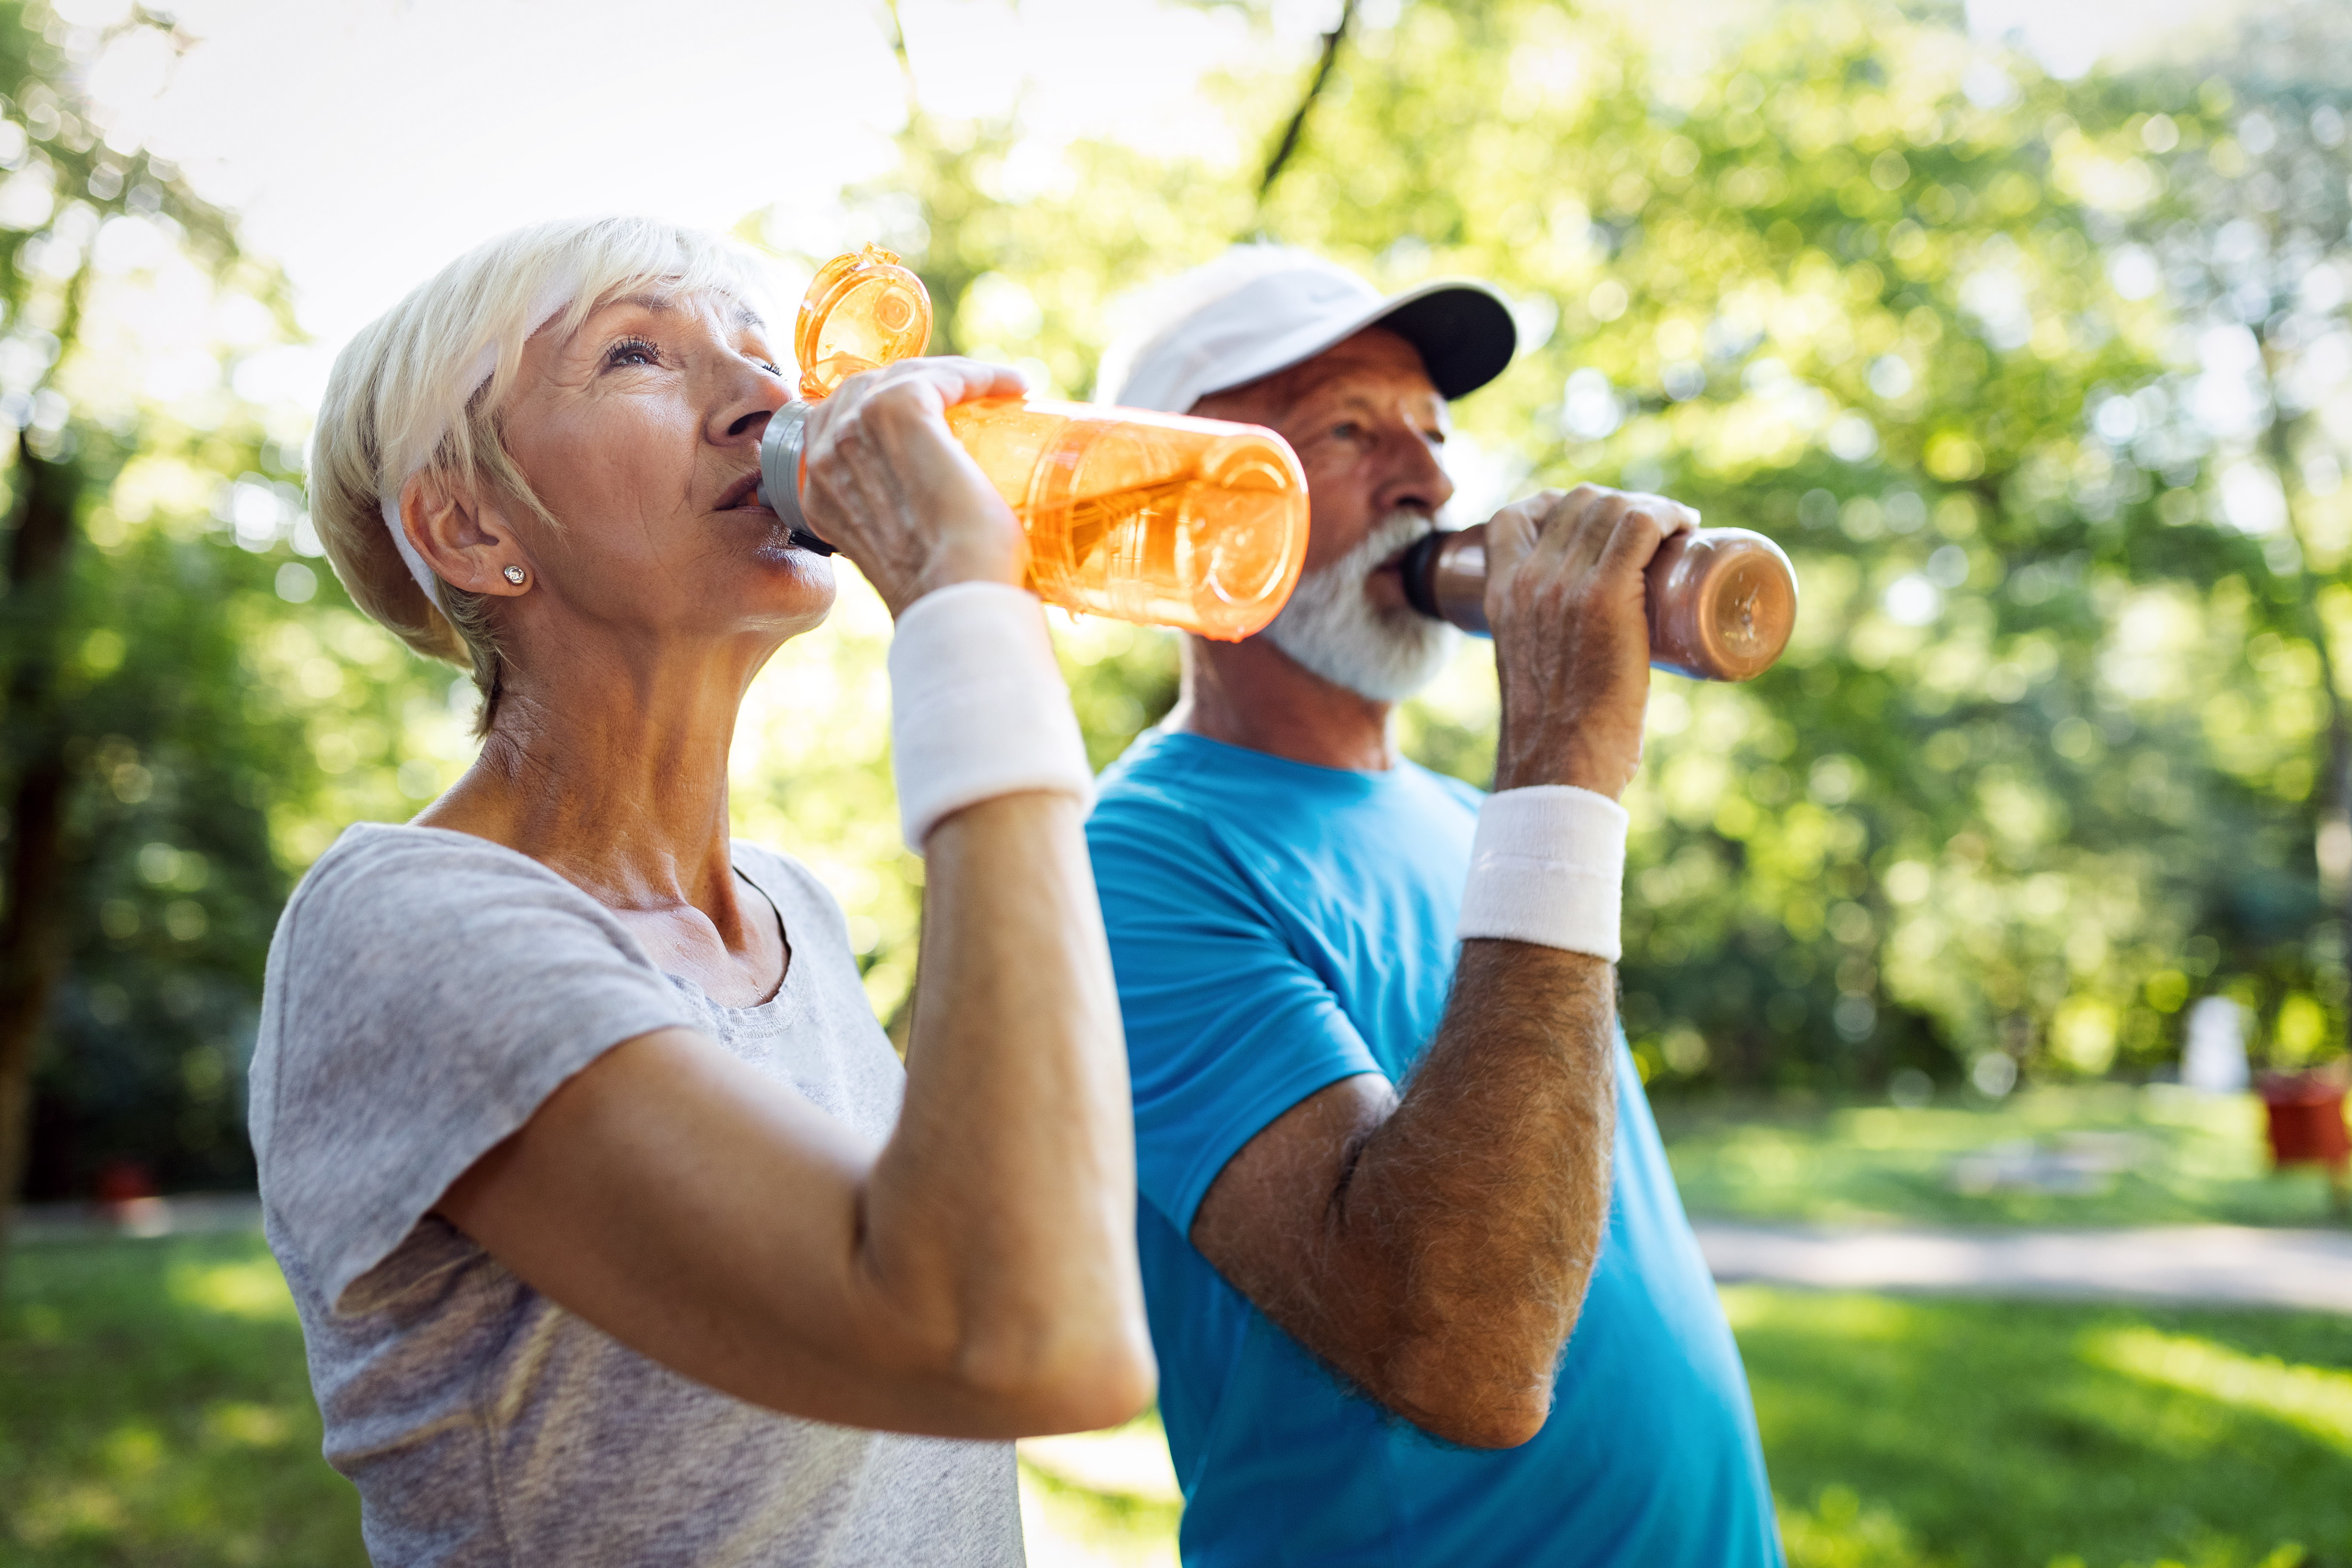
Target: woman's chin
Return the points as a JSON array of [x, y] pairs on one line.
[[793, 585]]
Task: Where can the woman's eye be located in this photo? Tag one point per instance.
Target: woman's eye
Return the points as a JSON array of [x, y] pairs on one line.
[[634, 351]]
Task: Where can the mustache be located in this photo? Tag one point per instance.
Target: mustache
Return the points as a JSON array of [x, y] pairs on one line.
[[1383, 546]]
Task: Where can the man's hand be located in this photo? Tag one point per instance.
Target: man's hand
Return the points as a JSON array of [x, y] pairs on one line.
[[1567, 598], [889, 486]]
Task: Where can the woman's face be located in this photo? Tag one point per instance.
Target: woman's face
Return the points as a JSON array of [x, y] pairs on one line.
[[640, 432]]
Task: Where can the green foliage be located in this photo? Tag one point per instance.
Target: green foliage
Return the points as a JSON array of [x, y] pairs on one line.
[[1841, 281], [219, 710], [2046, 760]]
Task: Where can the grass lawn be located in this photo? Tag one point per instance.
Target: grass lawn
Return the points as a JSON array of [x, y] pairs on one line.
[[2179, 1159], [1998, 1435], [154, 1410]]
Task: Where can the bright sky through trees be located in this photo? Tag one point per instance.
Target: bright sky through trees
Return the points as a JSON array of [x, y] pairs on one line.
[[366, 142]]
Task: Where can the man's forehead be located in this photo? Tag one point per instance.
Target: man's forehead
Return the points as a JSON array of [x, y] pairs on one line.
[[1374, 360]]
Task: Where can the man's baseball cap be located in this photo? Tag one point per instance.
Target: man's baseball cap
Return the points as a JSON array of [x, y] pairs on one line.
[[1259, 309]]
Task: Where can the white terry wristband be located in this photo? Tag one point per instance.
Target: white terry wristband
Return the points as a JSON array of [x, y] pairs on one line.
[[977, 707], [1548, 865]]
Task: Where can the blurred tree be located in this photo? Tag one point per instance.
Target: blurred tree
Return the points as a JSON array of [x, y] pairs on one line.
[[2033, 774], [1835, 272], [2238, 211], [2048, 758], [180, 733]]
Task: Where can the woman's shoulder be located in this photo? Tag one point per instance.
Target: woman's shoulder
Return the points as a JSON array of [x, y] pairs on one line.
[[386, 887], [398, 847]]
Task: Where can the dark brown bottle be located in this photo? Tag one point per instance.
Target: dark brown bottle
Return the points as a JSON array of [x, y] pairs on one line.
[[1722, 600]]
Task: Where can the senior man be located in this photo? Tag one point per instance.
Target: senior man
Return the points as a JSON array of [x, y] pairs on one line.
[[1394, 1159]]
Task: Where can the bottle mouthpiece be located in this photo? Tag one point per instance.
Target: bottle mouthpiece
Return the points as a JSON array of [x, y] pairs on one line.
[[782, 464], [862, 310]]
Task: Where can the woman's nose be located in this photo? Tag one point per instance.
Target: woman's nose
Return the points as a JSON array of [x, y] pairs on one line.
[[743, 406]]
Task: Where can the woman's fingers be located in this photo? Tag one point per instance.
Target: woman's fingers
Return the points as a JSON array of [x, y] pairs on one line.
[[961, 380], [888, 484]]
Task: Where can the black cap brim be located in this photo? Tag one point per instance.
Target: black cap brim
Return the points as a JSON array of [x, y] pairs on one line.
[[1465, 333]]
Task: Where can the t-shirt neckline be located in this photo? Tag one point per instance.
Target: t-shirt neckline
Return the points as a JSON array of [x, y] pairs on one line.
[[786, 989], [1227, 752]]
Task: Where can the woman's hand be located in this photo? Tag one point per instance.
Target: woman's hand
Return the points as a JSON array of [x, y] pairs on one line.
[[890, 487]]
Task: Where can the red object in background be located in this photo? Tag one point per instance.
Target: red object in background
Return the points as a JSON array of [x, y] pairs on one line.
[[2306, 1118], [124, 1180]]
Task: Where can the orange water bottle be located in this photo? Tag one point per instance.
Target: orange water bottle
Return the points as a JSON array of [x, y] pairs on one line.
[[1192, 523]]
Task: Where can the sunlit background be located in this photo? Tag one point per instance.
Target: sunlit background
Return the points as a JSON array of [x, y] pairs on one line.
[[2023, 326]]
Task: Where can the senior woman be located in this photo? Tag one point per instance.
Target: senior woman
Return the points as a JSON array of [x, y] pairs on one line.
[[617, 1232]]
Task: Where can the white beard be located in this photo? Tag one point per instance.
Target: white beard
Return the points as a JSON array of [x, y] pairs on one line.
[[1332, 628]]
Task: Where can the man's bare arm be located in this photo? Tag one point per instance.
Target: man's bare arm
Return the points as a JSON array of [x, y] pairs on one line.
[[1436, 1249]]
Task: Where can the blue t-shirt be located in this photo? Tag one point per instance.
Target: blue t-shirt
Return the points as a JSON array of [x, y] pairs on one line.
[[1276, 927]]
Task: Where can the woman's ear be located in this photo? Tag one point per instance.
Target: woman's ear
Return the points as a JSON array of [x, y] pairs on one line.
[[467, 543]]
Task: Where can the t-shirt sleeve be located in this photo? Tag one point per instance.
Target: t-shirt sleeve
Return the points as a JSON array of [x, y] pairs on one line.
[[429, 997], [1228, 1025]]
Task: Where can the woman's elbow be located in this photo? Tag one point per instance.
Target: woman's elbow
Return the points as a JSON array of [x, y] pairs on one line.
[[1094, 1371]]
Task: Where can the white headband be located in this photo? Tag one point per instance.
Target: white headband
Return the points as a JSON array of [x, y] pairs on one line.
[[552, 299]]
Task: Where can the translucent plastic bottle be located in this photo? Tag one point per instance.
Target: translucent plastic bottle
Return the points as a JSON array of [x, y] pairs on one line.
[[1722, 601], [1159, 518]]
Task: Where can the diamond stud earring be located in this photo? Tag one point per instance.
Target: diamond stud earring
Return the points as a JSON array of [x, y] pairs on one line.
[[515, 575]]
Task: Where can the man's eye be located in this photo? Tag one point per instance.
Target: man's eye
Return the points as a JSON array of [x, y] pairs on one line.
[[1348, 430], [633, 351]]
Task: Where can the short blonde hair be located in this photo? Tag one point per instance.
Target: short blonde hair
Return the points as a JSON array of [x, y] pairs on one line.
[[420, 390]]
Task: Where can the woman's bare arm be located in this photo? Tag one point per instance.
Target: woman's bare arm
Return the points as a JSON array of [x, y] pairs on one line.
[[974, 1277]]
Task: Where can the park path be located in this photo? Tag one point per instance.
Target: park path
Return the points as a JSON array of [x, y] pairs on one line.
[[2213, 1263]]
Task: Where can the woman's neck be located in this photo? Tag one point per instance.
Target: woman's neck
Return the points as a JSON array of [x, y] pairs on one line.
[[613, 777]]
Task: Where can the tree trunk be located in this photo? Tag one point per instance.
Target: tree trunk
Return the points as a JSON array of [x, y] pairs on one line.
[[32, 951]]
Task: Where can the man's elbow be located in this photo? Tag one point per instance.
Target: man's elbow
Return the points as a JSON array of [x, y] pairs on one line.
[[1484, 1406], [1488, 1426], [1494, 1426]]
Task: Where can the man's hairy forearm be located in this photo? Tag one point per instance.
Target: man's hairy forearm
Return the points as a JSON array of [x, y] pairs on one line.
[[1434, 1249], [1478, 1207]]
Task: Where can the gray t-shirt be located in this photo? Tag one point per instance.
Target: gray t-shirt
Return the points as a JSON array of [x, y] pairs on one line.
[[426, 991]]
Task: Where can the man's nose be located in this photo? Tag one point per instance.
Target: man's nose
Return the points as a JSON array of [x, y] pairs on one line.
[[1416, 480]]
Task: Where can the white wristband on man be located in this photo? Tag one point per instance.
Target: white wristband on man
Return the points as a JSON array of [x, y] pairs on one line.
[[1548, 865], [977, 707]]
